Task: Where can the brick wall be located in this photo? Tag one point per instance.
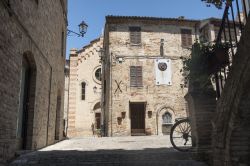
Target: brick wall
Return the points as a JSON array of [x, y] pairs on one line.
[[34, 29], [231, 125]]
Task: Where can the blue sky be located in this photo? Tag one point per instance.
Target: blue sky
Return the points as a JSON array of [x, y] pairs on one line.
[[93, 12]]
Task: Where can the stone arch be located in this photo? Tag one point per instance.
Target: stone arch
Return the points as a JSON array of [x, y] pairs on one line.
[[97, 106], [25, 118], [94, 104], [161, 111], [239, 143]]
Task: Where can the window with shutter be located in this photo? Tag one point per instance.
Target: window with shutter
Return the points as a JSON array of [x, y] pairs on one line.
[[135, 35], [136, 76], [186, 37]]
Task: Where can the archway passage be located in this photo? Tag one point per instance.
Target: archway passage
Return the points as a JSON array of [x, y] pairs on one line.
[[25, 117]]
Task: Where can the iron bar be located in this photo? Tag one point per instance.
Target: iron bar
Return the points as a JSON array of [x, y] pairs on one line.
[[222, 24], [217, 85], [230, 37], [238, 11], [245, 9], [235, 32]]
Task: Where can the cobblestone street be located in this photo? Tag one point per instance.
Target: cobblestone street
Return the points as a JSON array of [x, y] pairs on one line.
[[115, 151]]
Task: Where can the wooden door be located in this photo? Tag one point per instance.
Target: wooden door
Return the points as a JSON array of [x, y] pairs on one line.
[[137, 115]]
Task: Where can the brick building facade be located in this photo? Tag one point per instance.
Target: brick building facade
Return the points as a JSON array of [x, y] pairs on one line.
[[143, 90], [32, 50], [84, 114]]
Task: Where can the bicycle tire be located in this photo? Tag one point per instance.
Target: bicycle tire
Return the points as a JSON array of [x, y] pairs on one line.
[[179, 148]]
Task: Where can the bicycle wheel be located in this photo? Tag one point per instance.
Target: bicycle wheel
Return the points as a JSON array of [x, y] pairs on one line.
[[180, 135]]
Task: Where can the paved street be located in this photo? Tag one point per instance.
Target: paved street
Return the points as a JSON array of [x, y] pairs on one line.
[[110, 151]]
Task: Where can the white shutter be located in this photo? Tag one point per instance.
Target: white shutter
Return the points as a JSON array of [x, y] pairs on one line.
[[163, 72]]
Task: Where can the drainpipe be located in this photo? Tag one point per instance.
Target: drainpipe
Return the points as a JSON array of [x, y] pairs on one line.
[[111, 109], [157, 130], [66, 132]]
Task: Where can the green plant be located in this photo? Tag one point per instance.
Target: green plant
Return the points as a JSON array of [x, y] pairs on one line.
[[98, 132], [217, 3], [205, 59]]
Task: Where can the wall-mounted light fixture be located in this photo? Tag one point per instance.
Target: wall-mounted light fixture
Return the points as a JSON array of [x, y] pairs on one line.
[[95, 89], [82, 30]]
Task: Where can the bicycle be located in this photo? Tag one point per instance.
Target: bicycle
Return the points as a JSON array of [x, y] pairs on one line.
[[181, 136]]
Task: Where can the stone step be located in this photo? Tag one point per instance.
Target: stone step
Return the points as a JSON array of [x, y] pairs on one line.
[[63, 158]]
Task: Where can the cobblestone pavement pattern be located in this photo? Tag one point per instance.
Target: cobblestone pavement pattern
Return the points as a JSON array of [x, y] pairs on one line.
[[109, 151]]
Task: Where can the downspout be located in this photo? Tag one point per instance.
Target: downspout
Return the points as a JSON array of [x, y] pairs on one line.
[[111, 104], [66, 132], [157, 130], [50, 80]]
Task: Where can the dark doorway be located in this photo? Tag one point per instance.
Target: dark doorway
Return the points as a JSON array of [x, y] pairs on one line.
[[58, 113], [98, 120], [25, 117], [137, 115]]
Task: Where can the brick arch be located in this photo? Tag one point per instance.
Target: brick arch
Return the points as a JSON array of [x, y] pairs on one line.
[[160, 112], [27, 100]]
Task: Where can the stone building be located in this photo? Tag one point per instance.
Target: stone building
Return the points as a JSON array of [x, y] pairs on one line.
[[143, 90], [84, 114], [32, 51]]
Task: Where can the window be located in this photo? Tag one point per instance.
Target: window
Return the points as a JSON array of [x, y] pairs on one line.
[[98, 74], [136, 76], [167, 118], [62, 44], [135, 35], [83, 90], [186, 37]]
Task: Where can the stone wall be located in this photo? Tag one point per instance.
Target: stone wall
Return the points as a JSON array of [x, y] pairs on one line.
[[34, 31], [158, 98], [231, 134], [83, 65]]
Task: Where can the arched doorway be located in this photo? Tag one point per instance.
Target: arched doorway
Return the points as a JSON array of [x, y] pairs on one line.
[[165, 119], [97, 111], [25, 116]]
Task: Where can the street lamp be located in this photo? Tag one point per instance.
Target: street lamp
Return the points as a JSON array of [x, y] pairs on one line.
[[82, 30]]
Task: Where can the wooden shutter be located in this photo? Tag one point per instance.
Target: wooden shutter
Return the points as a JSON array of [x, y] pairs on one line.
[[135, 35], [135, 76], [186, 37]]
